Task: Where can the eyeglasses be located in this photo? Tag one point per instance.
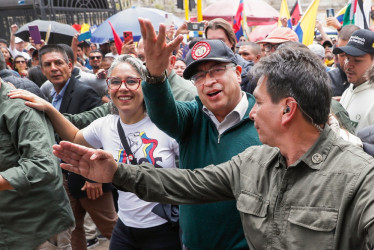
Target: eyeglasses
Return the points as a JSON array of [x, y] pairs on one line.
[[20, 61], [215, 72], [95, 57], [268, 47], [131, 83]]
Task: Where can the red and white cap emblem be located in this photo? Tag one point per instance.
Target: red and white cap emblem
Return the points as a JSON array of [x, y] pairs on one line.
[[200, 50]]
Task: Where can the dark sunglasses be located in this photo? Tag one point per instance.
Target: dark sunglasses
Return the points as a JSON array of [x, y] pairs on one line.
[[95, 57], [20, 61]]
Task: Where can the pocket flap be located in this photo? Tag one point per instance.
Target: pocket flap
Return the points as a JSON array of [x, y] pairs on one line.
[[252, 204], [314, 218]]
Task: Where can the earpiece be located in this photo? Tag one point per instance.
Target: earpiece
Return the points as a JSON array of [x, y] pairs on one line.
[[287, 110]]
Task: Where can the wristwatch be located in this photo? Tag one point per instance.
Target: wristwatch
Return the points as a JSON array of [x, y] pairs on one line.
[[155, 79]]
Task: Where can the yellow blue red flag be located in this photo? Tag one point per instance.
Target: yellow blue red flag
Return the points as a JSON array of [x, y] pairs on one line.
[[305, 27]]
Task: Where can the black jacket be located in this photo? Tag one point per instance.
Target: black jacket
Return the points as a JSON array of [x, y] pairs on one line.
[[79, 97], [21, 83], [338, 81]]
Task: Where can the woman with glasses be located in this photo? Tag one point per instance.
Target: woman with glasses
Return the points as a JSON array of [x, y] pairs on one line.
[[8, 57], [138, 227], [20, 65]]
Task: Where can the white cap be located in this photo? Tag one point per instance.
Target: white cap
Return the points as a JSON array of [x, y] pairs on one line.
[[18, 40], [29, 46], [317, 49]]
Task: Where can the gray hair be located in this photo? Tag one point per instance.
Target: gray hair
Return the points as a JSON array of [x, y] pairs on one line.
[[135, 63]]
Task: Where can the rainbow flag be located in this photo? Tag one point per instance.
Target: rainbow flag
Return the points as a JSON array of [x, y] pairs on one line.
[[305, 27]]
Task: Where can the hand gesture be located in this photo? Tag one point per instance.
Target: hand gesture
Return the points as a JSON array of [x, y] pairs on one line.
[[332, 21], [93, 190], [13, 28], [37, 46], [93, 164], [156, 50], [32, 100], [128, 48]]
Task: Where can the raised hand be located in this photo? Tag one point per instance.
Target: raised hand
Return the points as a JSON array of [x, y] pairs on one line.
[[156, 50]]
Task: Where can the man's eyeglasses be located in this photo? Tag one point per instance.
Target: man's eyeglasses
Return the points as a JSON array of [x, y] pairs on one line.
[[131, 83], [268, 47], [215, 72], [95, 57], [20, 61]]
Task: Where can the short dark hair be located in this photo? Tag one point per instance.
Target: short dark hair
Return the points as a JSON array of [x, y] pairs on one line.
[[53, 48], [255, 46], [97, 51], [297, 73], [2, 40], [68, 50], [346, 32], [220, 23]]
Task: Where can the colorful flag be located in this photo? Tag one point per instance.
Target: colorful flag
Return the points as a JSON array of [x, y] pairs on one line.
[[283, 12], [362, 17], [305, 27], [237, 25], [296, 13], [85, 27], [117, 39], [340, 14], [349, 13]]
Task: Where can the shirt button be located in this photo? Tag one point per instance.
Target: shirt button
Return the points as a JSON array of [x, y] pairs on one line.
[[317, 158]]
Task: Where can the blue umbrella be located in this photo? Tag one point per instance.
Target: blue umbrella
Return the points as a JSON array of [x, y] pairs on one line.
[[127, 20]]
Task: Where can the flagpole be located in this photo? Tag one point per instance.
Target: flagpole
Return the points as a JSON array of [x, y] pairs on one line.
[[186, 8], [199, 14]]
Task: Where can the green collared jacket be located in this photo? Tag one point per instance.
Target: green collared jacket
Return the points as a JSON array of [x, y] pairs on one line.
[[325, 200], [38, 207]]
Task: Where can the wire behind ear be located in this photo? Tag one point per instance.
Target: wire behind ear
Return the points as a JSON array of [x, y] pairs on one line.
[[287, 110]]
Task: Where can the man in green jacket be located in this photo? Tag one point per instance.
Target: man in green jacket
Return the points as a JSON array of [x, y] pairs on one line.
[[306, 189], [210, 130], [35, 210]]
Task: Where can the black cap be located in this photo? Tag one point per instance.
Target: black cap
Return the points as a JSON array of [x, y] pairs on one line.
[[360, 43], [207, 50]]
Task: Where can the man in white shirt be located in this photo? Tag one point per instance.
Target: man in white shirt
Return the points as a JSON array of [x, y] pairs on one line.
[[358, 98]]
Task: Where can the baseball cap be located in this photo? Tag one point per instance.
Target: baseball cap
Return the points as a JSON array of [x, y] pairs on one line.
[[280, 35], [207, 50], [360, 43], [317, 49], [18, 40]]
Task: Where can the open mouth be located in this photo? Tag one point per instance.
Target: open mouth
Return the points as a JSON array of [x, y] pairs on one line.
[[214, 93]]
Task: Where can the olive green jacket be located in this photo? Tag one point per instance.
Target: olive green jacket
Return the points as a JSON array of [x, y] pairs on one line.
[[325, 200], [38, 207]]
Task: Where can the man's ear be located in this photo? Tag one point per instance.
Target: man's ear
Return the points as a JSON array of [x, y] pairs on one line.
[[172, 60]]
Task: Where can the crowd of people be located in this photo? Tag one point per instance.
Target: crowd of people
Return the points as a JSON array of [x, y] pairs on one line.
[[232, 145]]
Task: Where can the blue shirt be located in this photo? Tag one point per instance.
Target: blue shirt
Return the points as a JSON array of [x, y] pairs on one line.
[[57, 98]]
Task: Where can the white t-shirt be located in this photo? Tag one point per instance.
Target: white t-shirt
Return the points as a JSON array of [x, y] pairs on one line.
[[359, 103], [148, 144]]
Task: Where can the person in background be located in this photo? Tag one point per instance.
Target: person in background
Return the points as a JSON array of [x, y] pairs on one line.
[[20, 65], [18, 82], [3, 43], [220, 29], [277, 37], [113, 50], [338, 77], [320, 52], [17, 45], [250, 51], [95, 57], [179, 67], [8, 57]]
